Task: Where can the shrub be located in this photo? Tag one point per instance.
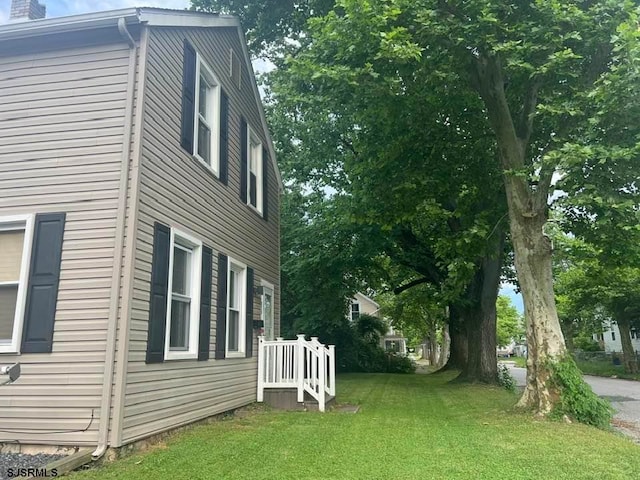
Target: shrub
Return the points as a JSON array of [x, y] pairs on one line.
[[586, 344], [505, 379], [577, 400], [399, 364]]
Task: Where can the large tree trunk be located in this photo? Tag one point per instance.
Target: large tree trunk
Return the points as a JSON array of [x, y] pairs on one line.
[[459, 346], [482, 365], [568, 332], [545, 342], [527, 199], [630, 361], [446, 342], [433, 347]]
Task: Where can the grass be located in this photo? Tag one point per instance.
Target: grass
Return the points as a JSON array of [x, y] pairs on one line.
[[409, 426], [600, 368], [520, 361], [604, 368]]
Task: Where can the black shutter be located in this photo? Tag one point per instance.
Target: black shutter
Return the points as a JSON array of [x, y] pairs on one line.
[[159, 293], [249, 320], [243, 160], [224, 138], [44, 277], [221, 311], [265, 184], [205, 304], [188, 97]]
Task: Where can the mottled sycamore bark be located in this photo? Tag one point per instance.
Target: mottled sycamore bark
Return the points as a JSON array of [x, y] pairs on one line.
[[528, 210]]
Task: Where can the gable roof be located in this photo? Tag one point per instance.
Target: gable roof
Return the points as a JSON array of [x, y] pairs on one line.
[[364, 297], [154, 17]]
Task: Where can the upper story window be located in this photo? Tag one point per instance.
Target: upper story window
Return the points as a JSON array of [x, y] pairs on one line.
[[15, 236], [254, 168], [183, 297], [207, 131], [201, 112]]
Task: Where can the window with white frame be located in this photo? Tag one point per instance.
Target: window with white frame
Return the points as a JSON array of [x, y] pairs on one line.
[[254, 180], [183, 316], [236, 301], [15, 237], [207, 115], [355, 311]]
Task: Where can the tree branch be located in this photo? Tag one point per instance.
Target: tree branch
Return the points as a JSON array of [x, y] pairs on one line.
[[541, 194], [349, 146], [525, 123], [398, 290]]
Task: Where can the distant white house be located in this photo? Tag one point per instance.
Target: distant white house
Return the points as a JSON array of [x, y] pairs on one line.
[[393, 341], [360, 304], [609, 339]]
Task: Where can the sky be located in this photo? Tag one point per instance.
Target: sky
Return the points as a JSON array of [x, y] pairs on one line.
[[509, 290], [60, 8]]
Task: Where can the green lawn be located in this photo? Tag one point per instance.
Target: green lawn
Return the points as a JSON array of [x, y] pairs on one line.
[[603, 368], [408, 427]]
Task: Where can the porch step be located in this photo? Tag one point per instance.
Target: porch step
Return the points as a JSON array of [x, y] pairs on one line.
[[287, 399], [311, 404]]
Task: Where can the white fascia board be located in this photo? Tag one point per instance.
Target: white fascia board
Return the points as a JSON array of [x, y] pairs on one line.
[[159, 17]]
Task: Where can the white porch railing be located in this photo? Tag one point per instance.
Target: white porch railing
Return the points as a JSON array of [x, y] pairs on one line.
[[308, 366]]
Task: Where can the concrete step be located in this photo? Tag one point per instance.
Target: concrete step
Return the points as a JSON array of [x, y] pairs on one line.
[[287, 399]]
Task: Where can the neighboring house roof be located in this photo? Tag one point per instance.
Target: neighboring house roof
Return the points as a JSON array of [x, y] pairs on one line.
[[156, 17], [358, 294]]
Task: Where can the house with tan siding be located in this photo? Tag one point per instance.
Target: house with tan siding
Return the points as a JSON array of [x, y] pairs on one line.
[[393, 340], [139, 225]]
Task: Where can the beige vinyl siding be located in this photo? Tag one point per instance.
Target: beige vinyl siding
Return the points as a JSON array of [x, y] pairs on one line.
[[61, 140], [176, 190]]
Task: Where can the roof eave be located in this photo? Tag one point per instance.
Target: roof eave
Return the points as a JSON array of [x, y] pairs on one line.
[[71, 23]]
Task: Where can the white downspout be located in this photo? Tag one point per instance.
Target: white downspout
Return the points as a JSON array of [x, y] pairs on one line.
[[112, 326]]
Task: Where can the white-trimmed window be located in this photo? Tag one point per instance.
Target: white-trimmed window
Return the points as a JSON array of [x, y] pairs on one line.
[[236, 306], [15, 240], [355, 311], [254, 170], [183, 312], [206, 130]]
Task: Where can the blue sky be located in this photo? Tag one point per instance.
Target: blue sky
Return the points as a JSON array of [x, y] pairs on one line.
[[59, 8], [509, 290]]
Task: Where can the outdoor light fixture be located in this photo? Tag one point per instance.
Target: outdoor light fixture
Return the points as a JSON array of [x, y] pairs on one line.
[[12, 371]]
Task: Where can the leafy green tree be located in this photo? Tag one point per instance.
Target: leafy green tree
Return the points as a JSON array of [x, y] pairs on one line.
[[532, 92], [510, 326], [269, 22], [591, 293], [527, 68], [442, 213], [420, 315], [602, 197]]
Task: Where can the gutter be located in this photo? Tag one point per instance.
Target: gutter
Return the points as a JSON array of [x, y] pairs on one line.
[[87, 21], [112, 325]]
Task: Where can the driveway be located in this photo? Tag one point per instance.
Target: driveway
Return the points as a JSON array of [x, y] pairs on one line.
[[624, 396]]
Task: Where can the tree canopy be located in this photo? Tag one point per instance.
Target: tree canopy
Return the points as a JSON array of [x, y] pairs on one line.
[[428, 116]]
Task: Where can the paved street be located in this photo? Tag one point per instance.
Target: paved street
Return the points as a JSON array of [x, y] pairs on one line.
[[624, 395]]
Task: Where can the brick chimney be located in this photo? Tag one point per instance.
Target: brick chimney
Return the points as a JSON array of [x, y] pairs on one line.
[[23, 10]]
